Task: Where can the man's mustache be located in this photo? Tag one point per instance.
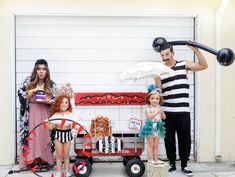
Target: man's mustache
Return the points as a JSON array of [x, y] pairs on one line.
[[165, 59]]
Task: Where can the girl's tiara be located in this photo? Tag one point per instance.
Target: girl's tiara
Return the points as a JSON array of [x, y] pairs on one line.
[[65, 91]]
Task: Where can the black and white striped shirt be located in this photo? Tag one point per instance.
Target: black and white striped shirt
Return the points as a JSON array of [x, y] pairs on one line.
[[175, 89]]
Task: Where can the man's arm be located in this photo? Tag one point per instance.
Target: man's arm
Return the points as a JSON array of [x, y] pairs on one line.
[[158, 81], [200, 65]]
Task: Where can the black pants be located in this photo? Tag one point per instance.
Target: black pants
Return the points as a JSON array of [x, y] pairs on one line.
[[180, 124]]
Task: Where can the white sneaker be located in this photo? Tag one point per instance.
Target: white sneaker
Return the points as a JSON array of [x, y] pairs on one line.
[[158, 162], [67, 174], [152, 162], [58, 174], [187, 171]]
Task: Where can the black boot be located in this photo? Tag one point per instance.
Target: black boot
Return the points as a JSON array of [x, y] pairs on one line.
[[172, 167]]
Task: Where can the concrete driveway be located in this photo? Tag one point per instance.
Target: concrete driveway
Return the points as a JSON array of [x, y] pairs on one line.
[[116, 169]]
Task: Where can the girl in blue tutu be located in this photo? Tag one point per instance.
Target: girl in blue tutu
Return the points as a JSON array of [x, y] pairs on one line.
[[153, 128]]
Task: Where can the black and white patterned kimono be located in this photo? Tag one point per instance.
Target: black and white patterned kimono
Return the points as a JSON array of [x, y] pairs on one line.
[[24, 109]]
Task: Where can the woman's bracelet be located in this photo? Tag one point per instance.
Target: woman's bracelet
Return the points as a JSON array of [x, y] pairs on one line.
[[30, 93]]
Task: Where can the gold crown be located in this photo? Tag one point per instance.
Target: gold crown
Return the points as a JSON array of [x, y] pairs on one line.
[[65, 90]]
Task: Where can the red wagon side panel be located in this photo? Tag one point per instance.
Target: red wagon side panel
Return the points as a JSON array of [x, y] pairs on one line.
[[124, 152]]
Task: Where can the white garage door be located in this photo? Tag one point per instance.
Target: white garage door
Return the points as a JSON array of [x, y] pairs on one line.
[[91, 51]]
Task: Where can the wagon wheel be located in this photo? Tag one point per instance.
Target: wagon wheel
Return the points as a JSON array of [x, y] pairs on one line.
[[127, 158], [84, 168], [90, 159], [135, 167]]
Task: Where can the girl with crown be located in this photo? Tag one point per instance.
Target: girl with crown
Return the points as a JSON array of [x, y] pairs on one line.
[[62, 109], [153, 127]]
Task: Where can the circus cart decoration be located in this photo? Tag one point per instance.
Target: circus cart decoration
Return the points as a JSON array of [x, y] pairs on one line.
[[103, 141]]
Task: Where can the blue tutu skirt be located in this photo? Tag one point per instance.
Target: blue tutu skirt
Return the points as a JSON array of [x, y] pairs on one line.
[[148, 129]]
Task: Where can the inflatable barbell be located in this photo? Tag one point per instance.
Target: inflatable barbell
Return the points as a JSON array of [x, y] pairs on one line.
[[225, 56]]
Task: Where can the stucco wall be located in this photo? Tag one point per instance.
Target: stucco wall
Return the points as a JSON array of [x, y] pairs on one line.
[[206, 13], [228, 86]]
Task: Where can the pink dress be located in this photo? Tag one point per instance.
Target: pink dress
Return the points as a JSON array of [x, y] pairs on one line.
[[39, 147]]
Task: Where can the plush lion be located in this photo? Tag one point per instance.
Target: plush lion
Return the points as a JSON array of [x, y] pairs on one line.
[[100, 127]]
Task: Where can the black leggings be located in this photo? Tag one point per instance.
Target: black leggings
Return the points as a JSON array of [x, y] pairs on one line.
[[180, 124]]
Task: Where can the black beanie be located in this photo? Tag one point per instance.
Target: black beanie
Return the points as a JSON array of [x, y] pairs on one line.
[[41, 62]]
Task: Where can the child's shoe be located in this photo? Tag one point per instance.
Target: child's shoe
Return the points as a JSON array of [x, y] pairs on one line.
[[152, 162], [58, 174], [67, 174], [158, 162]]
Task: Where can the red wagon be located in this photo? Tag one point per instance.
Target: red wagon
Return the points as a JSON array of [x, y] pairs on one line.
[[127, 145]]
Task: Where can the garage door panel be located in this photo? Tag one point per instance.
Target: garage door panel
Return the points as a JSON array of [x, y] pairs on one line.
[[105, 20], [87, 42], [96, 55], [108, 31]]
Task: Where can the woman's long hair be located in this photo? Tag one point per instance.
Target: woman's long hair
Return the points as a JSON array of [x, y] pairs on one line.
[[56, 105], [34, 80]]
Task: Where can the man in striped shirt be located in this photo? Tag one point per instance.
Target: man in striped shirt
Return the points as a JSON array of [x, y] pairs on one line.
[[175, 90]]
